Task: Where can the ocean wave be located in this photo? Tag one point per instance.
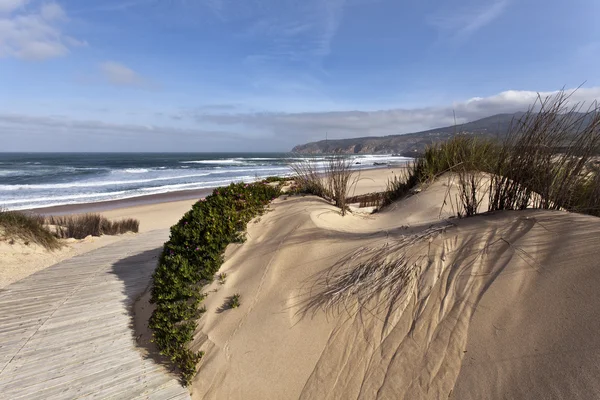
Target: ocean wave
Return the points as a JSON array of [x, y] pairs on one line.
[[97, 183], [84, 198], [135, 170], [226, 161], [92, 184]]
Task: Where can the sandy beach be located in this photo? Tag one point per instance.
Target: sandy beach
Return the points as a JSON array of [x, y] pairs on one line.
[[161, 211]]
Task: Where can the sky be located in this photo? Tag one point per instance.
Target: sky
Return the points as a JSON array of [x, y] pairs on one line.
[[265, 75]]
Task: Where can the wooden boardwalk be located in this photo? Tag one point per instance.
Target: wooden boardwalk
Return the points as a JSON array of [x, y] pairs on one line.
[[67, 332]]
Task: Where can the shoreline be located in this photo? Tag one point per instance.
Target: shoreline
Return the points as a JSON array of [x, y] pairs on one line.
[[146, 200], [111, 205]]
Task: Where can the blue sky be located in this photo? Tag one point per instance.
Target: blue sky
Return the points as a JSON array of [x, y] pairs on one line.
[[251, 75]]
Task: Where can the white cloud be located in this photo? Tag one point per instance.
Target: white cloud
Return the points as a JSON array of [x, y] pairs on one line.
[[51, 133], [34, 35], [52, 12], [346, 124], [11, 5], [227, 129], [120, 75], [466, 21]]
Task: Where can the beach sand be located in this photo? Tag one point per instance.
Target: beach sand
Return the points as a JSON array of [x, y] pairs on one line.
[[495, 306], [500, 305]]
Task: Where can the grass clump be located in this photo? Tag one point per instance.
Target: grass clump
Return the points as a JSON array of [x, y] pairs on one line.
[[190, 259], [545, 161], [27, 227], [309, 180], [332, 183], [222, 277], [81, 226], [234, 301]]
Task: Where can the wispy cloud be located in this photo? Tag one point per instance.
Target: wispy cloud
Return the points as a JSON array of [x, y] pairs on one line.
[[288, 31], [109, 6], [34, 35], [460, 24], [120, 75]]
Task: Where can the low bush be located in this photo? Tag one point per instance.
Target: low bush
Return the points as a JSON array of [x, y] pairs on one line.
[[271, 179], [190, 259], [27, 227], [81, 226]]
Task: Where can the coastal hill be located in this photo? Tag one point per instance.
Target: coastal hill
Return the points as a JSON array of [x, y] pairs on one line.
[[410, 143]]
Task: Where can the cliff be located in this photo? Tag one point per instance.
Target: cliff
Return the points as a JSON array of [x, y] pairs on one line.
[[410, 143]]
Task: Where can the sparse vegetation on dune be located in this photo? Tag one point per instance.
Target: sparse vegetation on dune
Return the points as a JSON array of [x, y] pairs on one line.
[[545, 161], [27, 227]]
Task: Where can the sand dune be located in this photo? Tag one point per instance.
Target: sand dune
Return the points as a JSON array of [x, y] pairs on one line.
[[495, 306]]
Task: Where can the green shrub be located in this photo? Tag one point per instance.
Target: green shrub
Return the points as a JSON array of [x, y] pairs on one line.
[[271, 179], [190, 259]]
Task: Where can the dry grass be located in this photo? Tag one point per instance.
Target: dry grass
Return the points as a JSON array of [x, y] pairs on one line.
[[27, 227], [81, 226], [332, 184], [308, 179], [368, 272], [545, 162], [339, 175]]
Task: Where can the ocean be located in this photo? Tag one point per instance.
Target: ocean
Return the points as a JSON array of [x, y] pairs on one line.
[[34, 180]]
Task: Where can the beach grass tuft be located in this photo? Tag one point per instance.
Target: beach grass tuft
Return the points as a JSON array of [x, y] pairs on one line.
[[81, 226], [332, 184], [27, 227]]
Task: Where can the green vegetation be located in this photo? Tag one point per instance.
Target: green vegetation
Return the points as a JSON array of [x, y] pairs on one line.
[[190, 259], [81, 226], [222, 278], [271, 179], [27, 227], [234, 301]]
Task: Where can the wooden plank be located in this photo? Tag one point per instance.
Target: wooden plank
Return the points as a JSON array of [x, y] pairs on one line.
[[65, 332]]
